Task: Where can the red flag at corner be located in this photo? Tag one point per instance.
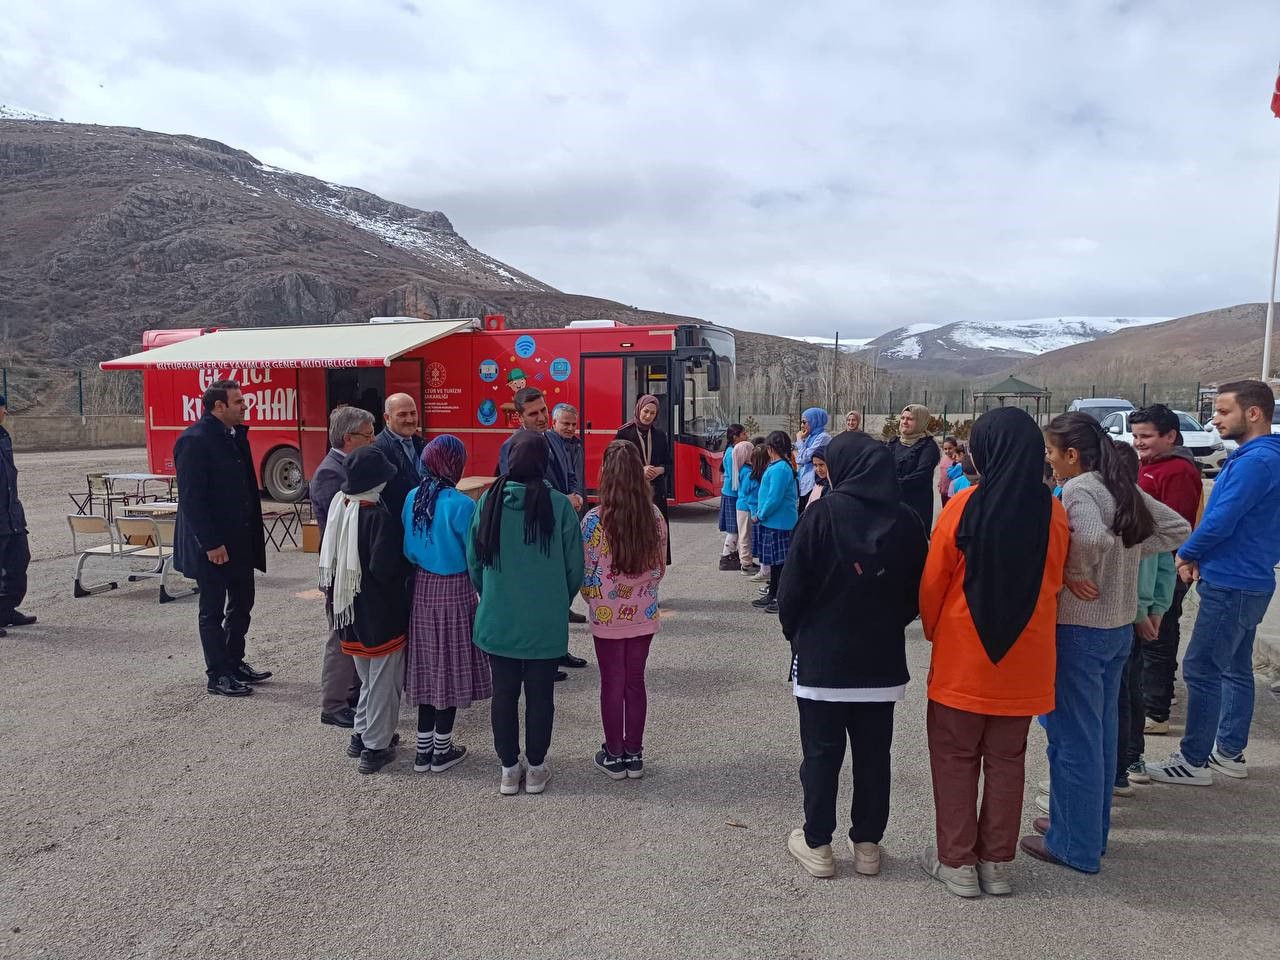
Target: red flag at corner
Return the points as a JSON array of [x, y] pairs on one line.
[[1275, 99]]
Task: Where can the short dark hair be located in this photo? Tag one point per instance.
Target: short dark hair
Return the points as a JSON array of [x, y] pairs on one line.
[[526, 395], [1159, 416], [1252, 393], [217, 393]]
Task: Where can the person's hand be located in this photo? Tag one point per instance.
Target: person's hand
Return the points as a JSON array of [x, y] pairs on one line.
[[576, 501], [1146, 632], [1084, 589], [1155, 622], [218, 556], [650, 472], [1188, 570]]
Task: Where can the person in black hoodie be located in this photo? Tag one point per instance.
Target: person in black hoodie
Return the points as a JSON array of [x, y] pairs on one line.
[[916, 456], [365, 576], [849, 588]]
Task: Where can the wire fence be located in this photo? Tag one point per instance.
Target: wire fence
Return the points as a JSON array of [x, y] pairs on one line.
[[51, 392]]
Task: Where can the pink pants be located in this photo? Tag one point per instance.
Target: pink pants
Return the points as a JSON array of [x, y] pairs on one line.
[[623, 703]]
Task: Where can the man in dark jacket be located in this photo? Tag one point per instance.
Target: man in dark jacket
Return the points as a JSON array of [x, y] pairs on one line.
[[400, 443], [350, 428], [15, 554], [219, 539], [532, 407]]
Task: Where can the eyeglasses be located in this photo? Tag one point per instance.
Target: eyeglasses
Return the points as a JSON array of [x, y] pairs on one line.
[[357, 433]]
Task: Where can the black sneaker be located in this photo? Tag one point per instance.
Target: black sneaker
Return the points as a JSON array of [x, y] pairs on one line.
[[356, 747], [635, 765], [440, 762], [729, 562], [422, 761], [761, 601], [771, 607], [615, 768], [371, 761]]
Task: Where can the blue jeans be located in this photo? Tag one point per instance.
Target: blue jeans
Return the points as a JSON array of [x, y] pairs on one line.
[[1082, 741], [1218, 670]]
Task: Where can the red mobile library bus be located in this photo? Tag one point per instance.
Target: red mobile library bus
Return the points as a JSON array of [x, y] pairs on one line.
[[463, 374]]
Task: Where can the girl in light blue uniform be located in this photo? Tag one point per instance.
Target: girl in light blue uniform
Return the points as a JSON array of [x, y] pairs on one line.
[[728, 524], [777, 511]]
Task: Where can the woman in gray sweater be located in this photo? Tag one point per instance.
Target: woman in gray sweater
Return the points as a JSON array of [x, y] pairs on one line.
[[1113, 526]]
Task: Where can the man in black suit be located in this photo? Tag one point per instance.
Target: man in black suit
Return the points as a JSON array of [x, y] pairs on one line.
[[350, 428], [400, 443], [219, 540]]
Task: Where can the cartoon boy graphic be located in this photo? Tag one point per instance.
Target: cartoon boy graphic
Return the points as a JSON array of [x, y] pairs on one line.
[[516, 381]]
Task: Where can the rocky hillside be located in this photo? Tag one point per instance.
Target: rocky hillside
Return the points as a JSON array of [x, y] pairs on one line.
[[108, 231]]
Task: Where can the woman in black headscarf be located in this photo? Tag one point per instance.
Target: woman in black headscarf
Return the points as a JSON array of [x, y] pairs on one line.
[[848, 591], [655, 450], [988, 602], [525, 560]]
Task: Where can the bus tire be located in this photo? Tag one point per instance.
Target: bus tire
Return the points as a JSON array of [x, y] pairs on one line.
[[282, 476]]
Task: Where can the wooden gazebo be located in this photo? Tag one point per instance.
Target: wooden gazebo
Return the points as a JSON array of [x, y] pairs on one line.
[[1014, 389]]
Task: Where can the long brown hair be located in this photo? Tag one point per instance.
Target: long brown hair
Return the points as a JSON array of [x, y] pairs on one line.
[[1132, 522], [626, 510]]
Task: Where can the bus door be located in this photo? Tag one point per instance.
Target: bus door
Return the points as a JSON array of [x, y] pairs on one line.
[[610, 387]]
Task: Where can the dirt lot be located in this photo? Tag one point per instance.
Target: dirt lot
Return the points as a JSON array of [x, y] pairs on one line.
[[144, 818]]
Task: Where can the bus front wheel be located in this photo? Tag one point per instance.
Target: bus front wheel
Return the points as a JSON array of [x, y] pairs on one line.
[[282, 476]]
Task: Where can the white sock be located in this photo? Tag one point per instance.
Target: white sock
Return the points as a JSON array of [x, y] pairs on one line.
[[509, 771], [443, 741], [426, 741]]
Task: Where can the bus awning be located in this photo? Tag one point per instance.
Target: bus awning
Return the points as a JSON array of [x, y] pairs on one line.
[[323, 345]]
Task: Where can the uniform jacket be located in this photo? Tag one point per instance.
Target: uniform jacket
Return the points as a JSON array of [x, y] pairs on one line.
[[13, 519], [218, 504]]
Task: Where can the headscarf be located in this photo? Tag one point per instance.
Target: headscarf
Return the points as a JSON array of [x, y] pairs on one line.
[[526, 464], [643, 402], [921, 431], [1004, 530], [820, 453], [741, 454], [864, 502], [816, 418], [443, 459], [340, 553]]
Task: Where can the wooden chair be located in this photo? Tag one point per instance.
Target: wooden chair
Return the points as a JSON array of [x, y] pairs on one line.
[[108, 551], [152, 544]]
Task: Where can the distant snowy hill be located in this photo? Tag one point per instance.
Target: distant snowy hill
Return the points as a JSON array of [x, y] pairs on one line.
[[973, 348], [8, 112], [851, 345]]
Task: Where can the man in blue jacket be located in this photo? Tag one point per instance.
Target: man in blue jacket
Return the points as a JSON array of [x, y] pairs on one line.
[[15, 554], [1233, 555], [219, 540]]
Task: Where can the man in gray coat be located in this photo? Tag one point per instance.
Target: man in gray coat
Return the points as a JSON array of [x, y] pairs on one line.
[[350, 428]]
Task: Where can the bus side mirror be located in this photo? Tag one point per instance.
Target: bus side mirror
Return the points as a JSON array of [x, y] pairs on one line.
[[713, 374]]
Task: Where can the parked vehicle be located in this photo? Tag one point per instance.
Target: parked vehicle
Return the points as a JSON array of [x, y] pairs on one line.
[[1100, 407], [1205, 445], [463, 374]]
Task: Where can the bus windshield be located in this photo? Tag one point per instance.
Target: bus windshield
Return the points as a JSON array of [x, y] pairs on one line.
[[705, 413]]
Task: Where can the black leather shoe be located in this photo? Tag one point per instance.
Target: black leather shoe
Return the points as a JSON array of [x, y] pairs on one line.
[[569, 660], [225, 686], [246, 674], [4, 633], [576, 617], [16, 618], [761, 601], [346, 717], [561, 675]]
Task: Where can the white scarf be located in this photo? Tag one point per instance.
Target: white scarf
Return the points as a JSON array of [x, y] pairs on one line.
[[340, 552]]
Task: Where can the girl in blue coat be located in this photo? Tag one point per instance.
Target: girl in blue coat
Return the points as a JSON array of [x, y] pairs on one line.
[[777, 510]]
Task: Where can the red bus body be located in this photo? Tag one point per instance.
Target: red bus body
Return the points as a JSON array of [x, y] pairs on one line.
[[464, 383]]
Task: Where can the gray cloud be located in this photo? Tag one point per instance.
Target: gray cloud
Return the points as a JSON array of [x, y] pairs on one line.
[[800, 168]]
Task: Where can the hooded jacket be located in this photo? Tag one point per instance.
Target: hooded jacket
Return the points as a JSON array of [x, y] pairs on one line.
[[1238, 542], [525, 596], [1174, 480]]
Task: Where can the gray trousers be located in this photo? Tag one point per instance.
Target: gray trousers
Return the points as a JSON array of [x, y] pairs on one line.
[[378, 712], [339, 682]]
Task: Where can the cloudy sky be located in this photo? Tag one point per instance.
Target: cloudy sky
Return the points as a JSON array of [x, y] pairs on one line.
[[797, 167]]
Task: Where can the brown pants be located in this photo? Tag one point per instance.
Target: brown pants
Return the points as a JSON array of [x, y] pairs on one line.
[[963, 745]]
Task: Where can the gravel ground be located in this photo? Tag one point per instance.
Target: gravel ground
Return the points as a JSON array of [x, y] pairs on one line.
[[147, 819]]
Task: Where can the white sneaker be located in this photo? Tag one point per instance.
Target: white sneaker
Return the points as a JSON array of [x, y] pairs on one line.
[[1155, 728], [866, 858], [509, 785], [1176, 769], [818, 861], [1043, 787], [994, 878], [537, 778], [1125, 791], [1042, 802], [962, 881], [1233, 767], [759, 577]]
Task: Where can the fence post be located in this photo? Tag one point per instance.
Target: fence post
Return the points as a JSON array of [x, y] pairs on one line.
[[6, 381], [1144, 394], [890, 411], [1093, 391], [80, 390]]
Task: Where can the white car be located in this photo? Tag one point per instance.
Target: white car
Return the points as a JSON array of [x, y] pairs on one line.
[[1205, 445], [1231, 445]]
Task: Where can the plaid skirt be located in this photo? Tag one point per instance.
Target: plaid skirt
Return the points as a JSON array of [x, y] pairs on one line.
[[444, 668], [728, 515], [770, 544]]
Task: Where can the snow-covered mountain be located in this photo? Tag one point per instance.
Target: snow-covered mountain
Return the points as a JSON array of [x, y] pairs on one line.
[[974, 348], [8, 112], [851, 346]]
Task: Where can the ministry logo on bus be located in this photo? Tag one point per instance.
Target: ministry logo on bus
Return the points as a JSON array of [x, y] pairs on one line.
[[436, 374]]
